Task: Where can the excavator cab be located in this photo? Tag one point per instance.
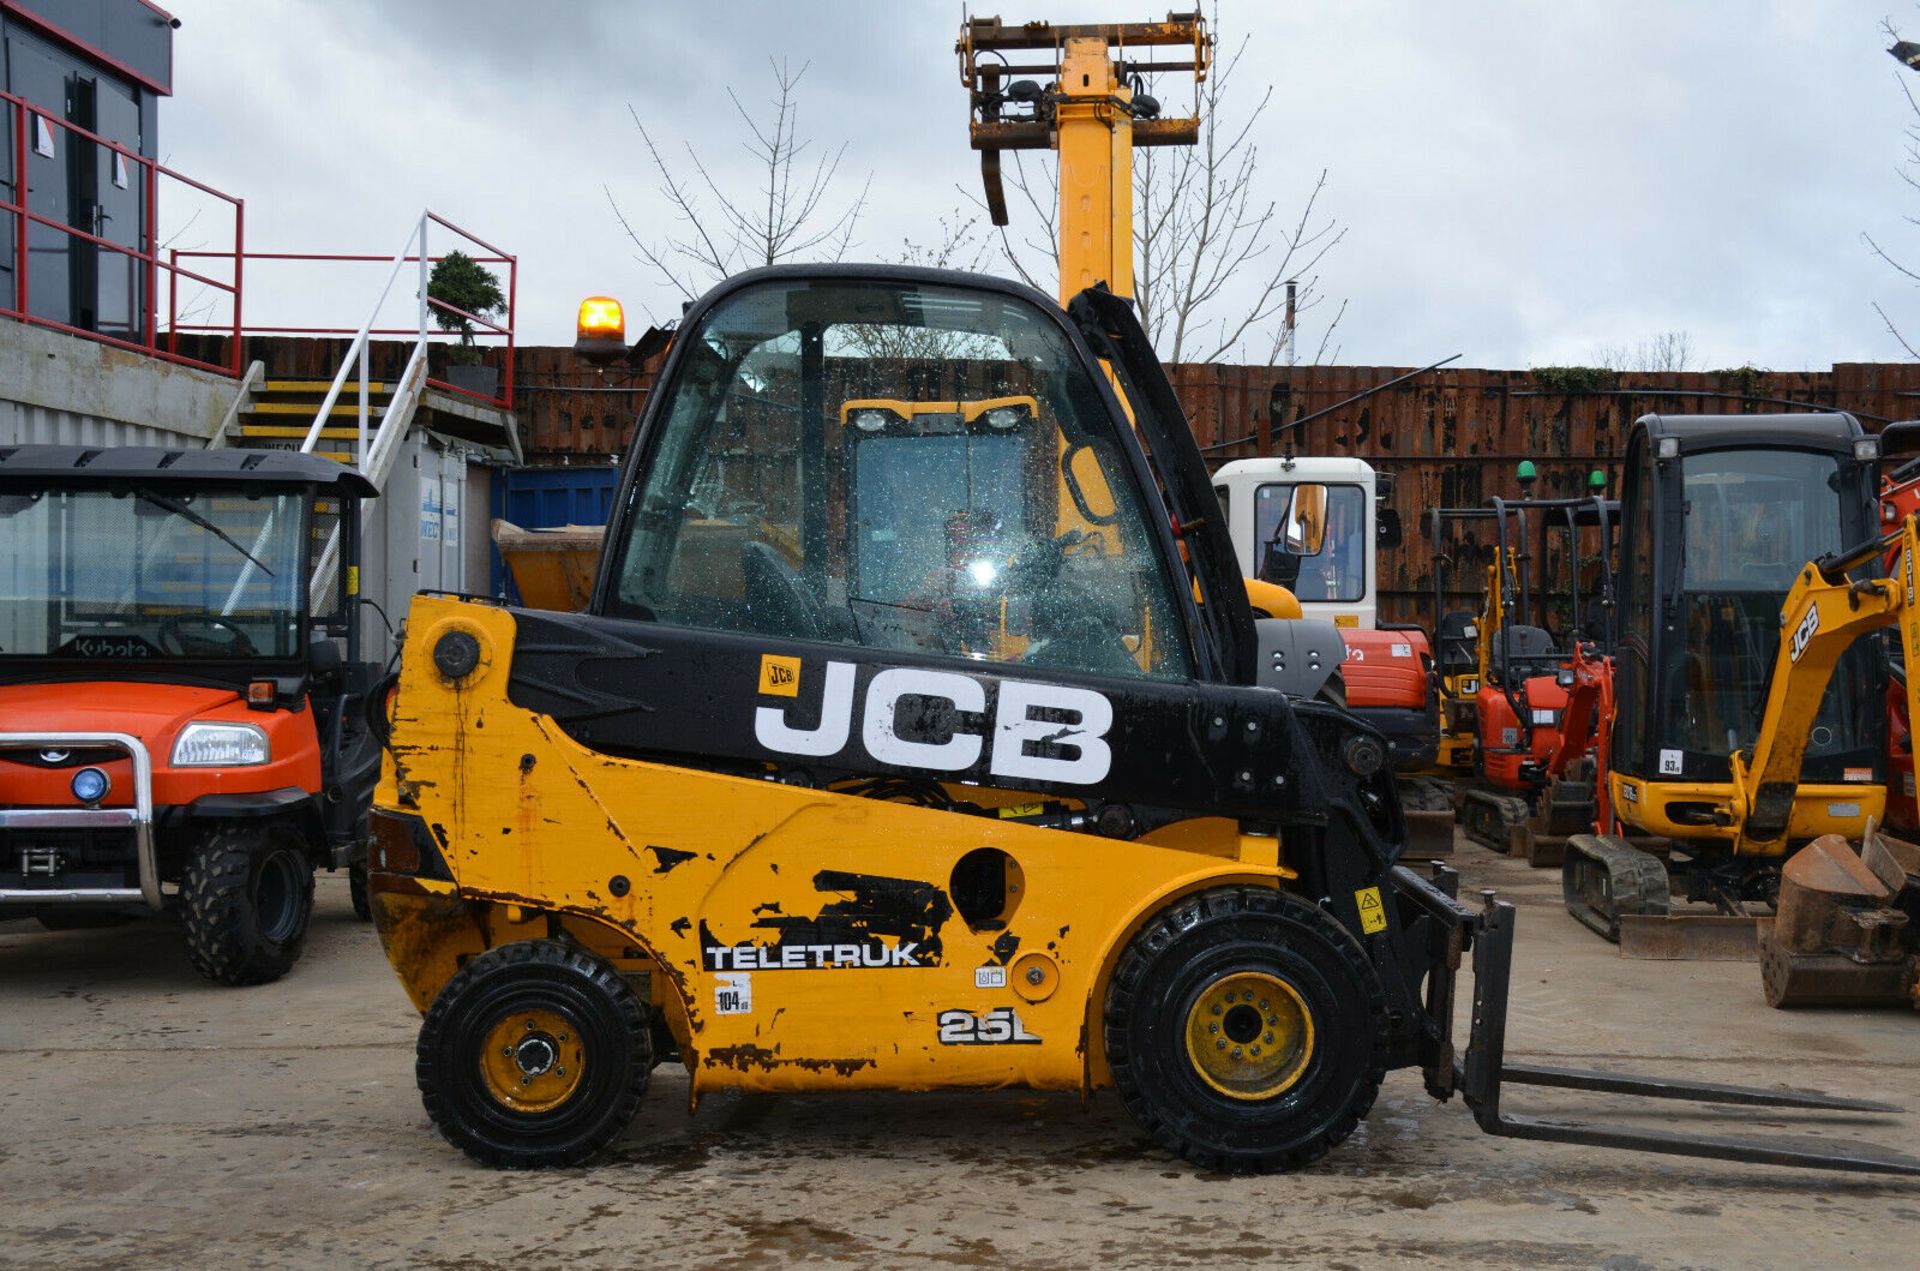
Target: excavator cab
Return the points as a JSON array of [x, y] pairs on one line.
[[1720, 516], [918, 735]]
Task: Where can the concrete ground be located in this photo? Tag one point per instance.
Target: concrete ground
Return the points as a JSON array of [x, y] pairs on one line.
[[147, 1117]]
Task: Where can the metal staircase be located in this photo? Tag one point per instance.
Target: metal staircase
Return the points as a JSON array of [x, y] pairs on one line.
[[352, 419], [280, 413]]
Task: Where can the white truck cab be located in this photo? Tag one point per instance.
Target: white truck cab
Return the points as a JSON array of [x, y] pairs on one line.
[[1337, 582]]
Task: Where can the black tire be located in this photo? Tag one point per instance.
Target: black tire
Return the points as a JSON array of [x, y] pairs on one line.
[[81, 919], [1224, 937], [357, 889], [245, 900], [584, 1012]]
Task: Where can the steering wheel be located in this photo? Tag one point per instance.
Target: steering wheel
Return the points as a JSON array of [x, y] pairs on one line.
[[238, 646]]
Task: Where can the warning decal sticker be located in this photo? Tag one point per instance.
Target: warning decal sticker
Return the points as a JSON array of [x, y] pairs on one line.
[[1373, 914]]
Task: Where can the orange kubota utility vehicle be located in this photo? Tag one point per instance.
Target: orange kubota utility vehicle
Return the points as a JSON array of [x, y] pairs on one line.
[[181, 718]]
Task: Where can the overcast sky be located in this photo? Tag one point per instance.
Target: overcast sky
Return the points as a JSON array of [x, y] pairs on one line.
[[1522, 183]]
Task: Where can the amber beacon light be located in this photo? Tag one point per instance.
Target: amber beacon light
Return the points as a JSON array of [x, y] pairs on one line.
[[601, 334]]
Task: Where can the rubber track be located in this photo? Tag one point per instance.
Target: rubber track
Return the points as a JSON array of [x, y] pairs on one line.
[[1635, 882], [1487, 817]]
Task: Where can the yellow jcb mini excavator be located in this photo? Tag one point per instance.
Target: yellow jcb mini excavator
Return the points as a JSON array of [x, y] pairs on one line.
[[1734, 736], [831, 788]]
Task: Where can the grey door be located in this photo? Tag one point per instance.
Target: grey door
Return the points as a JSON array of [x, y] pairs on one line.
[[118, 196], [40, 79]]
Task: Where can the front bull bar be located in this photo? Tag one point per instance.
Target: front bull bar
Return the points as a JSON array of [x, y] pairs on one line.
[[1456, 928], [139, 818]]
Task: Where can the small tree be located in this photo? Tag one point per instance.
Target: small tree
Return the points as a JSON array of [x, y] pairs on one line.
[[462, 282]]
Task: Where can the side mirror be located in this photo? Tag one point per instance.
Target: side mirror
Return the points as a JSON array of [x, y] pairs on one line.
[[1386, 527], [1304, 531]]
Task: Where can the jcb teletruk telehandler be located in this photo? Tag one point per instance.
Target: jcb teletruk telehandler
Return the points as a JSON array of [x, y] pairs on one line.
[[918, 734]]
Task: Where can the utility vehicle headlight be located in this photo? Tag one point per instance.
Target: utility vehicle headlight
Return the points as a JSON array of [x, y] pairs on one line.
[[90, 785], [208, 745]]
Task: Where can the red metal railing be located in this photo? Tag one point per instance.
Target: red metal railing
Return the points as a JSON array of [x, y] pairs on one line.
[[23, 119], [486, 328]]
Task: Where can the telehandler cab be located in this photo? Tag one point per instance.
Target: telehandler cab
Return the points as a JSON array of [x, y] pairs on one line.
[[924, 748], [182, 696]]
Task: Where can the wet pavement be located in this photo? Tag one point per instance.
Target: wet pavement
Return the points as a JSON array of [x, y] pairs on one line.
[[148, 1117]]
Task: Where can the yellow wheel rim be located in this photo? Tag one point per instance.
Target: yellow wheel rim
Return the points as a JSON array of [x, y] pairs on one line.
[[533, 1060], [1249, 1035]]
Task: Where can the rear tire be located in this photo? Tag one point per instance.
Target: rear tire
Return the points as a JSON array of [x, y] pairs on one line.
[[357, 889], [534, 1056], [1192, 983], [245, 900]]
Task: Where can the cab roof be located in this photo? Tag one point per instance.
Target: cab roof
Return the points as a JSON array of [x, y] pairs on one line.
[[150, 465], [1822, 430]]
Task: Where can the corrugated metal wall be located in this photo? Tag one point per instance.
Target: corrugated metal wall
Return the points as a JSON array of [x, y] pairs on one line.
[[1454, 437], [24, 425]]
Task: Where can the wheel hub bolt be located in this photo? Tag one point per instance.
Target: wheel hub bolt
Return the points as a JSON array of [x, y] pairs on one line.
[[1216, 1008], [1256, 1050], [1268, 1039], [1213, 1028], [1221, 1044], [1236, 1052]]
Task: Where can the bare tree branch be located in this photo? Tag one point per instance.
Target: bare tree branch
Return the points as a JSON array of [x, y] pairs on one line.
[[722, 229]]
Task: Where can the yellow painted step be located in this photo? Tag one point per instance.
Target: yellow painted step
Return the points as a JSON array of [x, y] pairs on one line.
[[309, 409], [321, 386], [298, 432]]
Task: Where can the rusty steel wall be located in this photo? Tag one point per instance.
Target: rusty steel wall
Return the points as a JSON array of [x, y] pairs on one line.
[[1449, 438], [1454, 437]]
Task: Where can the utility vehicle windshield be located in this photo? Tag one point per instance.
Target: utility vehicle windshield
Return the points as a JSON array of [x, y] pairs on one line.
[[155, 572], [896, 465]]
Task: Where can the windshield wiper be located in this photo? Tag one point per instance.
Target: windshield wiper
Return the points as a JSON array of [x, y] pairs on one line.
[[178, 508]]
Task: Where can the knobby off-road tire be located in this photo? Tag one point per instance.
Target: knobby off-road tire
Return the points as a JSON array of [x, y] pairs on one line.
[[535, 1055], [245, 901], [1284, 1108]]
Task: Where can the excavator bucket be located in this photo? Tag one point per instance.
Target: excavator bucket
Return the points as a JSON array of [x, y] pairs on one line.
[[1846, 930]]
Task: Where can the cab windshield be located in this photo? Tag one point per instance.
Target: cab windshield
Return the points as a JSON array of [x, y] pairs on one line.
[[1338, 571], [901, 466], [1753, 518], [152, 572]]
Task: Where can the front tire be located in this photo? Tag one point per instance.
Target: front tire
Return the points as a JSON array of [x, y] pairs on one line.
[[245, 901], [534, 1056], [1246, 1030]]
